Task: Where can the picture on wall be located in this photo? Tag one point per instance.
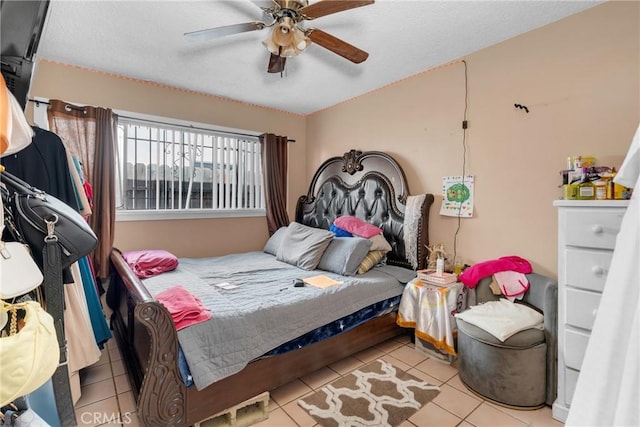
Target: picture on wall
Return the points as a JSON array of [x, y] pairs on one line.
[[457, 196]]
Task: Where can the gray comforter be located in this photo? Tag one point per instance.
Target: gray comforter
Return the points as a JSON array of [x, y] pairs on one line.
[[265, 310]]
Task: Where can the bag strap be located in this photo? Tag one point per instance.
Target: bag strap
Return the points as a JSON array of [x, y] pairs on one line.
[[16, 184], [54, 294], [11, 226], [53, 286], [6, 216]]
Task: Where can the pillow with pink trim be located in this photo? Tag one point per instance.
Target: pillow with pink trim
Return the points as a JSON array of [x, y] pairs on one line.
[[148, 263], [357, 226]]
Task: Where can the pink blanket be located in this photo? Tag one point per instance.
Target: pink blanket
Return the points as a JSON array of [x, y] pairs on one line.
[[472, 275], [185, 308], [149, 263]]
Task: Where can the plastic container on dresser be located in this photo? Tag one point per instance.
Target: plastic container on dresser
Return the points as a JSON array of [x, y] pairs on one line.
[[587, 233]]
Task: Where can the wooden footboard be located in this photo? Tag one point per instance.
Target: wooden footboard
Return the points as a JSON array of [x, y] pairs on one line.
[[149, 344], [148, 340]]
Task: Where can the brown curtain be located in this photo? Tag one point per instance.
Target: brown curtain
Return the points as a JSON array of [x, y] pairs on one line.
[[274, 166], [89, 133]]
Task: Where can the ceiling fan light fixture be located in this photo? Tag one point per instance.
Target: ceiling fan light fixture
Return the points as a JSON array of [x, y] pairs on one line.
[[282, 33], [286, 39], [300, 39], [270, 45]]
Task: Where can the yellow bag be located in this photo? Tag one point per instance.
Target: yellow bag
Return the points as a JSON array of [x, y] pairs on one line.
[[29, 356]]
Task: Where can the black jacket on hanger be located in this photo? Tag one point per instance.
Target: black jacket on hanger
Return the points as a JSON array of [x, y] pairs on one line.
[[44, 165]]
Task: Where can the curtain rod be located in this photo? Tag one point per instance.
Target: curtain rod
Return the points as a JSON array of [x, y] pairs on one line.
[[195, 127], [190, 126], [67, 106], [73, 107]]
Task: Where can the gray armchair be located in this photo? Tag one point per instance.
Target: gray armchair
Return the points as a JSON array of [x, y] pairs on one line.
[[522, 370]]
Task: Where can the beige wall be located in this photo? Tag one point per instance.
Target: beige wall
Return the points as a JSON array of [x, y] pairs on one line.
[[187, 237], [579, 78]]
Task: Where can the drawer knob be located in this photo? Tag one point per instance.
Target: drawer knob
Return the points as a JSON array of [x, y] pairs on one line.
[[597, 229], [597, 270]]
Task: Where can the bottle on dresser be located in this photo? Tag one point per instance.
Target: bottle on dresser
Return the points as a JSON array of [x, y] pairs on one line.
[[585, 187]]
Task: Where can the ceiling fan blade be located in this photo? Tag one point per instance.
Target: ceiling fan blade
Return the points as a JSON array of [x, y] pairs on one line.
[[338, 46], [214, 33], [327, 7], [264, 4], [276, 64]]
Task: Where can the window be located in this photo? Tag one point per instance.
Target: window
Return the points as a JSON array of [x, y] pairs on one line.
[[179, 171]]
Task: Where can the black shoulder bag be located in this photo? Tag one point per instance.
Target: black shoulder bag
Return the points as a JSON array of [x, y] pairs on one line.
[[32, 209]]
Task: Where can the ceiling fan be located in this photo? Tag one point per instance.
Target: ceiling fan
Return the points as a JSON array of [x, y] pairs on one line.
[[289, 37]]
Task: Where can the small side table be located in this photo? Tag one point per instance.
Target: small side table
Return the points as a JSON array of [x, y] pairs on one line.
[[429, 310]]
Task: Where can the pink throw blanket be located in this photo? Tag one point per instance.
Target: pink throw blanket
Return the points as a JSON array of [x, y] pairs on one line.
[[185, 308], [149, 263], [472, 275]]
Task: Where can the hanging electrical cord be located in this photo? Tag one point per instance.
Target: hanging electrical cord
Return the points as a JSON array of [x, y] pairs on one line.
[[464, 153]]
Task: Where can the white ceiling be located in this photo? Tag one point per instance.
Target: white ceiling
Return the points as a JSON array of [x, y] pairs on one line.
[[144, 40]]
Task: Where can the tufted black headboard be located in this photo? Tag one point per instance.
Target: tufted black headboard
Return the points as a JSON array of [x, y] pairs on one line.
[[372, 186]]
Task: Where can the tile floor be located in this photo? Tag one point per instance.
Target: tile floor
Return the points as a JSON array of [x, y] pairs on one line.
[[107, 399]]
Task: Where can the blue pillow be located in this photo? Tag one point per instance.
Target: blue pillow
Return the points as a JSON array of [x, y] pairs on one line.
[[344, 255], [303, 246], [339, 231]]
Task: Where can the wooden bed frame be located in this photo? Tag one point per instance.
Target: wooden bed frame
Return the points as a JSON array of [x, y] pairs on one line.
[[370, 185]]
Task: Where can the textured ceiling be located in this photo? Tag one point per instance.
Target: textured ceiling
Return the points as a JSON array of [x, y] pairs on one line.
[[144, 40]]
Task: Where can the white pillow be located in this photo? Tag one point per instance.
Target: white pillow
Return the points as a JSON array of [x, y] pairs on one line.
[[502, 318]]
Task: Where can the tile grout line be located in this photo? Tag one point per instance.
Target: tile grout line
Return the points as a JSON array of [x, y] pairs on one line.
[[113, 380], [113, 377]]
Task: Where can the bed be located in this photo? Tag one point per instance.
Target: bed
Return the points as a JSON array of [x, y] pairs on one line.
[[369, 185]]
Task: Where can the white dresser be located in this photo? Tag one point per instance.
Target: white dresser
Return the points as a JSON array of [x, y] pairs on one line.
[[587, 232]]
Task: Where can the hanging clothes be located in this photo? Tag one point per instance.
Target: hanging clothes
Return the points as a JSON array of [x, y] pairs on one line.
[[15, 133], [47, 153], [99, 323], [43, 164], [82, 352], [607, 389], [78, 183]]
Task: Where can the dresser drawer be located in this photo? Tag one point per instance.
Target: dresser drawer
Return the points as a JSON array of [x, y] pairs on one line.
[[581, 308], [571, 378], [587, 268], [592, 228], [575, 347]]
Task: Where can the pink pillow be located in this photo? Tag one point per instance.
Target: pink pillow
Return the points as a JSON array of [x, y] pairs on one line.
[[150, 262], [357, 226]]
